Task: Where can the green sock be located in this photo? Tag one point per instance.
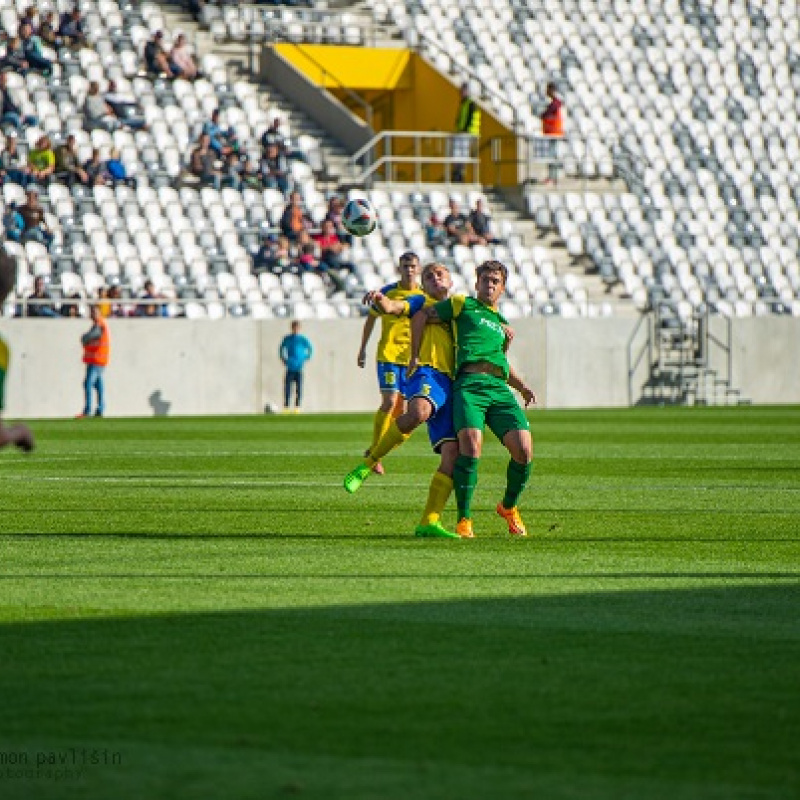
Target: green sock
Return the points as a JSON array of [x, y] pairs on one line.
[[516, 479], [465, 479]]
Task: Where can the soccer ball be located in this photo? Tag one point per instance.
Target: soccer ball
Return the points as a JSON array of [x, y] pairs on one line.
[[359, 217]]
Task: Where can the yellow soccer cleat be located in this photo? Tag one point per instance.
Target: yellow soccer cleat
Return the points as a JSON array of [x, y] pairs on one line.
[[516, 527], [464, 528]]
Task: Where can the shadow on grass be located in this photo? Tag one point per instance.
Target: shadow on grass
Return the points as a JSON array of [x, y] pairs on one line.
[[657, 694]]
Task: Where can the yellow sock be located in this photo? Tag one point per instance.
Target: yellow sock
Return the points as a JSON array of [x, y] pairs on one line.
[[441, 486], [392, 438], [380, 425]]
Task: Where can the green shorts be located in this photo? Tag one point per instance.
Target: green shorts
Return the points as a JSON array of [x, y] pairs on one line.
[[480, 400], [2, 387]]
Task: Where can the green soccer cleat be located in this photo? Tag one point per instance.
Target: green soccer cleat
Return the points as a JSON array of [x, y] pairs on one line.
[[434, 530], [354, 479]]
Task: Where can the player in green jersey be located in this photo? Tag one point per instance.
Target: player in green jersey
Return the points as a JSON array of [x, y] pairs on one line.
[[481, 395]]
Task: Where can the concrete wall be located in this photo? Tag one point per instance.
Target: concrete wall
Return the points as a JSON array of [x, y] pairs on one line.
[[232, 366]]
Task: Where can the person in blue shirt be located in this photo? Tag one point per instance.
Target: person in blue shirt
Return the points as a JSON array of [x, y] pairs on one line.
[[295, 351]]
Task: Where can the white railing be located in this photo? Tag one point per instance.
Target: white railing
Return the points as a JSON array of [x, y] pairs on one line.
[[428, 156]]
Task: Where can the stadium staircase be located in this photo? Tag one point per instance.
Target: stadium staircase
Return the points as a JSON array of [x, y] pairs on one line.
[[680, 356]]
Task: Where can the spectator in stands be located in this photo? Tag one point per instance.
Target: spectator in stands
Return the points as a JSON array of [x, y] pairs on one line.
[[125, 108], [30, 15], [251, 176], [68, 168], [10, 108], [202, 163], [274, 255], [14, 59], [221, 142], [116, 172], [196, 8], [115, 298], [334, 214], [48, 31], [71, 307], [552, 126], [459, 230], [155, 57], [295, 220], [103, 302], [435, 233], [33, 50], [468, 129], [181, 60], [42, 161], [232, 172], [13, 223], [307, 258], [40, 307], [157, 308], [71, 29], [95, 170], [282, 257], [99, 114], [275, 170], [334, 254], [12, 165], [262, 257], [273, 135], [481, 224]]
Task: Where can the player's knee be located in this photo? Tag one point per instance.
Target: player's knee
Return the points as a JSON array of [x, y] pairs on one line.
[[523, 452], [417, 414]]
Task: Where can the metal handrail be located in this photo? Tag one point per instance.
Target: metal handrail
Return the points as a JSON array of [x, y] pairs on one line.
[[373, 164], [536, 154], [19, 306]]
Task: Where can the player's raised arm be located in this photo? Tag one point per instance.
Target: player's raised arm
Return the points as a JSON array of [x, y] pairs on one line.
[[515, 382], [378, 300]]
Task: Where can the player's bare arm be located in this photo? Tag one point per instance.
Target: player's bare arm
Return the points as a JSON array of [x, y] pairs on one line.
[[515, 382], [418, 323], [380, 301], [509, 332], [369, 326]]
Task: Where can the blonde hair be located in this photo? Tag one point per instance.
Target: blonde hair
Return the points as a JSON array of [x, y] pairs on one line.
[[431, 266]]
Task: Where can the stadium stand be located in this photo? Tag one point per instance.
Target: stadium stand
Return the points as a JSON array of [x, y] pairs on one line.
[[702, 98], [706, 98]]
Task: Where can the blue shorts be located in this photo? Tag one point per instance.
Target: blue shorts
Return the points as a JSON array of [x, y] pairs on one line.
[[437, 388], [392, 377]]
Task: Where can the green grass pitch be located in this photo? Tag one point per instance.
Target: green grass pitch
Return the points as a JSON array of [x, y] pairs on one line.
[[194, 608]]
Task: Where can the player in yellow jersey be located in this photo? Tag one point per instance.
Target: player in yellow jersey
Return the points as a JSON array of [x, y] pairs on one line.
[[394, 349], [18, 435], [429, 390]]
